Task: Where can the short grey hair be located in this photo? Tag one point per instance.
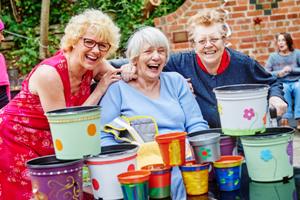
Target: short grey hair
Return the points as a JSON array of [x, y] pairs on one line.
[[146, 35]]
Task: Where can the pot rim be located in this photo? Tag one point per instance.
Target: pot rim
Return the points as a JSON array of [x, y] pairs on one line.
[[240, 88], [271, 133], [118, 153], [72, 110], [34, 163]]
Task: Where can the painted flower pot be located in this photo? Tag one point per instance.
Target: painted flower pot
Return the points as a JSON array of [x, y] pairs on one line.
[[228, 172], [275, 191], [105, 167], [75, 131], [242, 108], [172, 148], [195, 178], [268, 155], [160, 181], [206, 147], [55, 179], [228, 144], [135, 184]]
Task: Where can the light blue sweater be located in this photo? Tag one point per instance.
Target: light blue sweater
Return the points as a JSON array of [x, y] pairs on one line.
[[176, 109]]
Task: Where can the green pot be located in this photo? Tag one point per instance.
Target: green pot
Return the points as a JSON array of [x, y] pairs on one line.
[[267, 155], [75, 131], [273, 191]]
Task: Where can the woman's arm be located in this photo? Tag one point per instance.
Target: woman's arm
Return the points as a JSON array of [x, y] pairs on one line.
[[105, 75], [47, 84]]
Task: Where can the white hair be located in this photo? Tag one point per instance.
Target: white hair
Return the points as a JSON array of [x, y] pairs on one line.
[[146, 35]]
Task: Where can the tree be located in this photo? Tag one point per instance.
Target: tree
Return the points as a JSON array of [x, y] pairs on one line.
[[44, 27]]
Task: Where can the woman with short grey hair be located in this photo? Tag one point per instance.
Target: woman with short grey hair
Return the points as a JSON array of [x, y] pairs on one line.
[[163, 96], [149, 35]]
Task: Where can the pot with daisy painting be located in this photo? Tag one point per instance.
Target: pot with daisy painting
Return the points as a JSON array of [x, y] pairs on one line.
[[242, 108]]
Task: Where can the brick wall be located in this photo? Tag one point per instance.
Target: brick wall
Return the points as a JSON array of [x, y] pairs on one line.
[[256, 40]]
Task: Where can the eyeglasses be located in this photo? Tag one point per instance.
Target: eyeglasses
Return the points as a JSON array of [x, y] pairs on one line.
[[102, 46], [203, 42]]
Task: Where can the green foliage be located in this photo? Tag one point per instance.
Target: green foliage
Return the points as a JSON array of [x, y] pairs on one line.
[[128, 15]]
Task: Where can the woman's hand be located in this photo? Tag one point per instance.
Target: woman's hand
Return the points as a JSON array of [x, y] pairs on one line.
[[285, 71], [189, 81], [128, 72], [108, 78], [279, 104]]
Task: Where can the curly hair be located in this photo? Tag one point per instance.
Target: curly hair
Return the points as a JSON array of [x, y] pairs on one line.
[[208, 17], [100, 23]]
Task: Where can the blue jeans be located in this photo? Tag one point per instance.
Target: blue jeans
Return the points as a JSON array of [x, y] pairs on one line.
[[292, 96], [177, 186]]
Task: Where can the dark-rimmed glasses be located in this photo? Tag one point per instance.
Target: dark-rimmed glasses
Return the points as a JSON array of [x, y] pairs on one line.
[[102, 46]]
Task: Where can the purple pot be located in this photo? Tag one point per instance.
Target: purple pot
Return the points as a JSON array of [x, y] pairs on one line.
[[55, 179], [228, 145]]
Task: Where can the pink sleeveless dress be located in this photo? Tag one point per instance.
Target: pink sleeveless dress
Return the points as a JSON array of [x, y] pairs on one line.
[[25, 132]]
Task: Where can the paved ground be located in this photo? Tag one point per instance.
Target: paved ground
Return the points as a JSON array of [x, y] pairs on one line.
[[296, 145]]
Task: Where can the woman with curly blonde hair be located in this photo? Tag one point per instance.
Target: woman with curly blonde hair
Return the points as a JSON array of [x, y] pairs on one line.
[[57, 82]]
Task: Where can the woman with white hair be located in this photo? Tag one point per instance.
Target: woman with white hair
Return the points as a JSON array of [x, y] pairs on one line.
[[165, 97], [57, 82], [212, 64]]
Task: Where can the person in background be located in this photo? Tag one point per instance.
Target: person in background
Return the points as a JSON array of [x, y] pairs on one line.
[[57, 82], [285, 64], [4, 81], [165, 97], [211, 64]]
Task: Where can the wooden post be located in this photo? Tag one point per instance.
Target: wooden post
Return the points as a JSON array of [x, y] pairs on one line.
[[43, 50], [149, 6]]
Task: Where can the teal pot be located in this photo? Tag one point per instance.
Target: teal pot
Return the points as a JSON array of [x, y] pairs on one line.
[[268, 155], [75, 131], [273, 191], [242, 108]]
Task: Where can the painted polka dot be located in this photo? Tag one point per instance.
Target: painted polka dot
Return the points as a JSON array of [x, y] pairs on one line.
[[58, 145], [131, 167], [91, 129], [95, 184]]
